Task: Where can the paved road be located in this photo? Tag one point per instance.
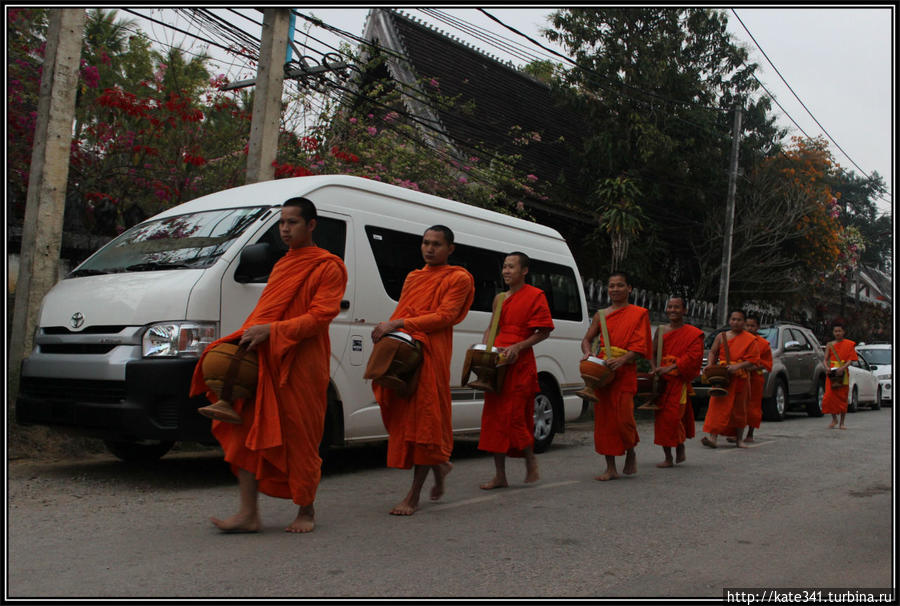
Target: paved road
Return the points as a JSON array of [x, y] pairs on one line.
[[806, 507]]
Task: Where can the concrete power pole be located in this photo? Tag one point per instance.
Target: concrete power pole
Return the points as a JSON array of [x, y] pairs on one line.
[[49, 172], [266, 120], [729, 220]]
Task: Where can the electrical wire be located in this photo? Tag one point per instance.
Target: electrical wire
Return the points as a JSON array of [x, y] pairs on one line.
[[827, 134]]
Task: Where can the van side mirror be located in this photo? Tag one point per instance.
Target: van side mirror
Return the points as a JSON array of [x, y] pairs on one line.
[[257, 261], [792, 346]]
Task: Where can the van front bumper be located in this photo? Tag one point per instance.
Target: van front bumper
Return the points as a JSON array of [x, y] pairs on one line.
[[151, 404]]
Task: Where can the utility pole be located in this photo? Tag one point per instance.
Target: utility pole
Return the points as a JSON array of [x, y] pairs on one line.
[[49, 172], [729, 219], [264, 125]]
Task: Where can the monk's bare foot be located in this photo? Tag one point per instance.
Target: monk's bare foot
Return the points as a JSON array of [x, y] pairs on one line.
[[832, 425], [679, 454], [842, 427], [630, 467], [609, 475], [740, 444], [666, 463], [407, 506], [305, 521], [494, 483], [748, 440], [531, 473], [440, 472], [707, 442], [239, 522]]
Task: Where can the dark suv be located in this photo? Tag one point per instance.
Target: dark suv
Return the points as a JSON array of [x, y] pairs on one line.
[[797, 379]]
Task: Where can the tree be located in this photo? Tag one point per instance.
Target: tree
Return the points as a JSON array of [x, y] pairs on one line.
[[620, 216], [657, 87]]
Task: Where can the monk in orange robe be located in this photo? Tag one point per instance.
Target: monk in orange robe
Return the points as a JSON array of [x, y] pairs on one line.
[[681, 361], [727, 415], [757, 377], [420, 427], [275, 448], [507, 419], [835, 400], [615, 432]]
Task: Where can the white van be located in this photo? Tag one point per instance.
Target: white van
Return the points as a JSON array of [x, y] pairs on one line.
[[118, 338]]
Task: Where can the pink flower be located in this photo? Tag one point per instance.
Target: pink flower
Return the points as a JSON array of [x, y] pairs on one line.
[[463, 180], [353, 120], [433, 83], [531, 178], [372, 130]]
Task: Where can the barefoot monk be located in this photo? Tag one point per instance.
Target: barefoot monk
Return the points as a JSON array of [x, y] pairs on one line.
[[628, 327], [275, 447], [838, 355], [507, 419], [757, 377], [682, 358], [419, 425], [737, 350]]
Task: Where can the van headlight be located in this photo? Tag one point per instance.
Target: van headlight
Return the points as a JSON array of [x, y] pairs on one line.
[[177, 339]]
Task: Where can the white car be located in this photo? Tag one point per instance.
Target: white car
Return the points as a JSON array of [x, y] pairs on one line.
[[863, 386], [880, 358]]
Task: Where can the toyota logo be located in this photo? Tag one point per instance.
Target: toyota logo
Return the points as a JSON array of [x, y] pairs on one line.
[[77, 320]]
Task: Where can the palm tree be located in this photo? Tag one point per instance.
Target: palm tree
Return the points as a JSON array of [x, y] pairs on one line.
[[620, 215]]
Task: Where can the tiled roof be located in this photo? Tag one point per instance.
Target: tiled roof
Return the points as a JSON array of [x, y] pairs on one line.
[[503, 97]]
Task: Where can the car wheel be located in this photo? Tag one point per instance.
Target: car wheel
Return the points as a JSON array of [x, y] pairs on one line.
[[546, 408], [853, 406], [775, 407], [814, 408], [138, 451], [876, 405]]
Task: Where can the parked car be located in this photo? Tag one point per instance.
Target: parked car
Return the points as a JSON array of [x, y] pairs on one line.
[[880, 358], [863, 386], [797, 379]]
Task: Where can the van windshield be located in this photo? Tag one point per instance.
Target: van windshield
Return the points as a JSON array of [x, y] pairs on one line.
[[192, 241]]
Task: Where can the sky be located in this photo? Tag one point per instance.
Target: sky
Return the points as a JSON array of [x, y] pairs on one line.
[[837, 60]]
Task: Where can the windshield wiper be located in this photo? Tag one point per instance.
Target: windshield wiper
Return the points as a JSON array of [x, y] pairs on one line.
[[87, 272], [153, 266]]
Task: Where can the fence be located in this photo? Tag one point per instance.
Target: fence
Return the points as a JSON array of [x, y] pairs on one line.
[[702, 314]]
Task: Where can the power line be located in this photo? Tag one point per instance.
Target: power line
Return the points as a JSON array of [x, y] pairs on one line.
[[798, 99], [590, 71]]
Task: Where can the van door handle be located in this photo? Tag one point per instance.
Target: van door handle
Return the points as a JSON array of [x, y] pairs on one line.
[[345, 304]]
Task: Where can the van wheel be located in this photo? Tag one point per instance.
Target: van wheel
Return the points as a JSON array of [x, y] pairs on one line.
[[876, 405], [138, 450], [853, 406], [775, 407], [333, 424], [546, 407], [814, 408]]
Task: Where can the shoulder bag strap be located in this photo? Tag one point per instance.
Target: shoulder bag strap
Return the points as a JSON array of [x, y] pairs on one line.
[[495, 321], [606, 343]]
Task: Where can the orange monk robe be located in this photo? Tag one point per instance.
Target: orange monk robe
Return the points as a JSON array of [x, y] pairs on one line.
[[507, 419], [684, 348], [758, 383], [727, 414], [420, 427], [835, 400], [278, 441], [614, 428]]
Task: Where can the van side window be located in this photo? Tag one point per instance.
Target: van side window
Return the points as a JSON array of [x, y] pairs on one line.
[[397, 253], [560, 287], [330, 234]]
